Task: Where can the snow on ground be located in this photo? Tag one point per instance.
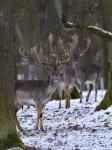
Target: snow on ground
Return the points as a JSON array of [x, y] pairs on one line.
[[76, 128]]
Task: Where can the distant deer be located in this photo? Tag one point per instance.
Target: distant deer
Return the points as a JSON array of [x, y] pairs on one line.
[[84, 73], [38, 92]]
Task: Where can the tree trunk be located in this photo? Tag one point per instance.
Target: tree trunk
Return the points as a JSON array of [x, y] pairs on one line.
[[8, 134], [107, 100]]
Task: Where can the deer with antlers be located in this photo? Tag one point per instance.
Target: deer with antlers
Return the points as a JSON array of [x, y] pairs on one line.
[[84, 73], [38, 92], [68, 80]]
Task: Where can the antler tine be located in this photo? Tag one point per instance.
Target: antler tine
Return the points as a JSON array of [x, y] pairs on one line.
[[22, 53], [74, 42], [67, 59], [60, 42], [50, 39], [59, 55], [88, 42], [86, 49], [53, 53], [34, 52]]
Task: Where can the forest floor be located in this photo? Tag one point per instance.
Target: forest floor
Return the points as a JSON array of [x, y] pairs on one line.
[[76, 128]]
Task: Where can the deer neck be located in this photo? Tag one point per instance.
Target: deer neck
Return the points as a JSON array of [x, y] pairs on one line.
[[51, 87], [76, 66], [49, 92]]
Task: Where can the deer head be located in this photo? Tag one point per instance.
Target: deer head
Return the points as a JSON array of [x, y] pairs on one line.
[[52, 66], [61, 53]]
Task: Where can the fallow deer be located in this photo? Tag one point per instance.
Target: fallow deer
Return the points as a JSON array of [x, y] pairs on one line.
[[38, 92], [88, 72], [68, 80]]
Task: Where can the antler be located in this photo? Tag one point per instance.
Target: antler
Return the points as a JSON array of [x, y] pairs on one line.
[[81, 53], [61, 53], [60, 43], [74, 42], [65, 61], [32, 53], [25, 53], [50, 40], [40, 60]]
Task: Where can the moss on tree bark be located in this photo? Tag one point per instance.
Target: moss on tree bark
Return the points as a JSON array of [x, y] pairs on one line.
[[8, 133], [107, 100]]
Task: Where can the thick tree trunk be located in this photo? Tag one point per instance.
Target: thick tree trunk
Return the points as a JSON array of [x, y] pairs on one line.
[[107, 100], [8, 134]]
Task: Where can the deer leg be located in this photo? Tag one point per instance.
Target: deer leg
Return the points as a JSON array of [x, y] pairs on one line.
[[67, 105], [81, 93], [90, 89], [39, 118], [67, 95], [60, 97], [18, 125], [96, 89], [17, 107]]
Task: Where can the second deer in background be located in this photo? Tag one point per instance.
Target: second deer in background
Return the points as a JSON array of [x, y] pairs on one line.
[[84, 72]]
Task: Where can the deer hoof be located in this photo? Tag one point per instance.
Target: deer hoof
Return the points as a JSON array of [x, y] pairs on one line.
[[36, 128], [59, 107], [86, 100], [42, 129], [80, 100]]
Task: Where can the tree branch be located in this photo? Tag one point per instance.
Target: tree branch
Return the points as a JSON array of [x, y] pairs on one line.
[[93, 29]]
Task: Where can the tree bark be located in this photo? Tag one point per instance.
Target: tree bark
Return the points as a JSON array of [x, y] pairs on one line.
[[107, 100], [8, 134]]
